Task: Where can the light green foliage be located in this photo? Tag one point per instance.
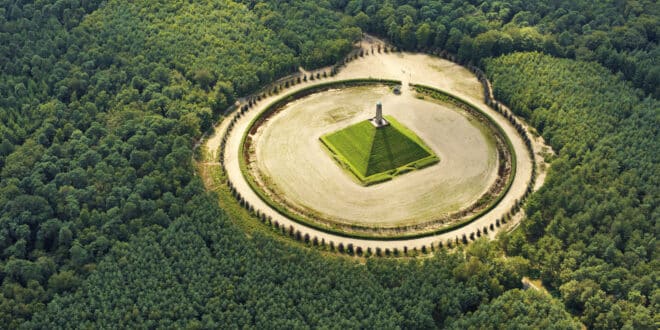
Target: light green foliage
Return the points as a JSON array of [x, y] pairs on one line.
[[370, 152], [104, 224], [354, 144]]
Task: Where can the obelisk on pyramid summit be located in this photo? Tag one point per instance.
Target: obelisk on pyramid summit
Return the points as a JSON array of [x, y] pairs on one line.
[[379, 121]]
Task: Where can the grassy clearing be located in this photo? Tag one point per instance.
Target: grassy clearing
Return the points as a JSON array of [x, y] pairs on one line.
[[355, 230], [378, 154]]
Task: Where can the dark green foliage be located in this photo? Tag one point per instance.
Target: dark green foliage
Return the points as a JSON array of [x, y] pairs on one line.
[[518, 309], [103, 222], [201, 271], [313, 30], [591, 229], [621, 35], [97, 119]]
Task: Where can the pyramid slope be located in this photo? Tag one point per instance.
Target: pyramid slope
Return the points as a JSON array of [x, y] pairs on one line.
[[391, 149], [354, 143], [372, 153]]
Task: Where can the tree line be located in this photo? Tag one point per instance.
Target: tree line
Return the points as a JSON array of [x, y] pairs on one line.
[[103, 221], [100, 103], [622, 35], [590, 229]]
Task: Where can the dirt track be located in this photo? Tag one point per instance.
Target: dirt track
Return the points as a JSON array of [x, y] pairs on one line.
[[416, 68]]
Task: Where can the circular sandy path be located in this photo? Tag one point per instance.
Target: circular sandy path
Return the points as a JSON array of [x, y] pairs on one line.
[[415, 68]]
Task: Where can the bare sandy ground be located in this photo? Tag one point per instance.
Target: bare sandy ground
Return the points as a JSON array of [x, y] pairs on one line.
[[416, 68], [290, 154]]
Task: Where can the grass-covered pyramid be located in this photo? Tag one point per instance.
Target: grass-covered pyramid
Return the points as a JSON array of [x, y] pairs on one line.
[[378, 154]]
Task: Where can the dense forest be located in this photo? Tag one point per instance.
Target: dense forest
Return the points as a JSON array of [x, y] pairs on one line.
[[590, 230], [104, 222], [621, 35]]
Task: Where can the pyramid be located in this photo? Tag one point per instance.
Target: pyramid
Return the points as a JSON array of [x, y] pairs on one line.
[[367, 150]]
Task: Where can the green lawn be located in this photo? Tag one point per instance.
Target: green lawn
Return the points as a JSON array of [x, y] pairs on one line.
[[378, 154]]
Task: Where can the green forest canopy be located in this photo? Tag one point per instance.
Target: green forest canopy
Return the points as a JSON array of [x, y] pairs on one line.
[[103, 221]]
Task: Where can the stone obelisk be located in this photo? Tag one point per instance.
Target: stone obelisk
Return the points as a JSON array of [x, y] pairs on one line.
[[379, 121]]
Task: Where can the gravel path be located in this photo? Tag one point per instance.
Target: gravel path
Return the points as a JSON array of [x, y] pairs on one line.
[[416, 68]]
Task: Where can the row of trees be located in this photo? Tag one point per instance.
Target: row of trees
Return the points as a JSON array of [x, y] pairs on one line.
[[101, 217], [586, 114], [103, 222]]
